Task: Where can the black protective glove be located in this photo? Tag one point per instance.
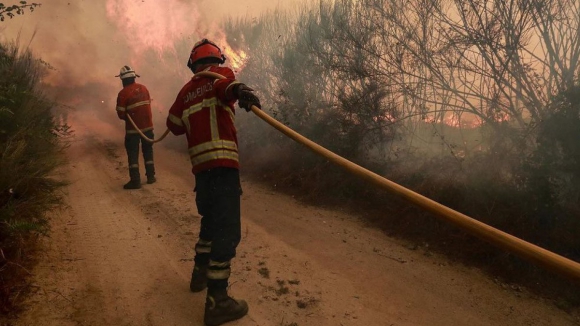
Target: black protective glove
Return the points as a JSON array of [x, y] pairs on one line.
[[246, 98]]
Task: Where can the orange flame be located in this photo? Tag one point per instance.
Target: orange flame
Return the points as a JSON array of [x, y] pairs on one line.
[[158, 25], [467, 121], [237, 60]]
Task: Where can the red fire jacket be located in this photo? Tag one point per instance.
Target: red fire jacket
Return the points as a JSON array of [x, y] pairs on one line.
[[204, 111], [134, 99]]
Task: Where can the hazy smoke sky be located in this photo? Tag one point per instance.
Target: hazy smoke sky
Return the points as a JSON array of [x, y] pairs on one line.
[[88, 41]]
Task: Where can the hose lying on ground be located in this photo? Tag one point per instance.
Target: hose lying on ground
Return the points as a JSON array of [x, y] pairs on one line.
[[503, 240]]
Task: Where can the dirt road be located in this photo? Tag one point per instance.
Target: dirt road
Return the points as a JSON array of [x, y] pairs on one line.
[[118, 257]]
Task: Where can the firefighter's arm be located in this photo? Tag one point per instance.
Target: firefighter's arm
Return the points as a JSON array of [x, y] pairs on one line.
[[121, 108], [230, 89], [174, 122], [224, 87]]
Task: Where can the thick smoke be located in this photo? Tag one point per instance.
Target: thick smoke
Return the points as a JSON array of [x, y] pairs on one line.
[[86, 42]]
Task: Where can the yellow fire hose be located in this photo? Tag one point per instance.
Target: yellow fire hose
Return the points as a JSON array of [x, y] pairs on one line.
[[538, 255], [143, 135], [524, 249]]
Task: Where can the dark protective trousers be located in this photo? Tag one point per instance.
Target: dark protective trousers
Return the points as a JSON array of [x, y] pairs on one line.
[[132, 146], [218, 202]]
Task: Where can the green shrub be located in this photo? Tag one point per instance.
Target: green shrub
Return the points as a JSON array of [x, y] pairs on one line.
[[30, 151]]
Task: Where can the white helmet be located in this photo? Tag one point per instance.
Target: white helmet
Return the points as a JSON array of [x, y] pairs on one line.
[[127, 72]]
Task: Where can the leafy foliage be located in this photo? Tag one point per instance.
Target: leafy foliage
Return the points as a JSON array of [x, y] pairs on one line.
[[18, 9], [31, 142]]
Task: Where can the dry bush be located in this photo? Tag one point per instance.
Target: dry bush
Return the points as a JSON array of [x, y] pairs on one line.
[[31, 142], [383, 92]]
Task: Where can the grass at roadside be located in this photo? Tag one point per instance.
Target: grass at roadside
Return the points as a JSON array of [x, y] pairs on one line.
[[31, 144]]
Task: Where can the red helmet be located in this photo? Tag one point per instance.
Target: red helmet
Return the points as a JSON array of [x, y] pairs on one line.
[[205, 49]]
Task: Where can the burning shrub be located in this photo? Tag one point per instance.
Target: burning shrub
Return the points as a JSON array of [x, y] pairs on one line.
[[392, 100]]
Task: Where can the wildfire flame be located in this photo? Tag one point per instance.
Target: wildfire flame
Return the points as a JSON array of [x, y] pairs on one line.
[[159, 25], [466, 121], [236, 60]]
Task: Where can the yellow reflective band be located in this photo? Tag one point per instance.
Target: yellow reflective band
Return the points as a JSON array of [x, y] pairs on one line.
[[202, 249], [215, 135], [187, 125], [149, 163], [218, 270], [202, 242], [220, 274], [174, 119], [232, 84], [211, 102], [121, 109], [225, 264], [134, 166], [231, 112], [138, 104], [216, 155], [214, 144]]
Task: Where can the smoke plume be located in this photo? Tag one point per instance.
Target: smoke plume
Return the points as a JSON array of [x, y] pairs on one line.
[[86, 42]]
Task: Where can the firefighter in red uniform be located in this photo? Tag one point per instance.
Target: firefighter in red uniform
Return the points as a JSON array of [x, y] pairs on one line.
[[204, 112], [134, 100]]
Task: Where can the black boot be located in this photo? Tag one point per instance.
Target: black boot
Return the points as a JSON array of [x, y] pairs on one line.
[[198, 278], [135, 182], [220, 308], [150, 172]]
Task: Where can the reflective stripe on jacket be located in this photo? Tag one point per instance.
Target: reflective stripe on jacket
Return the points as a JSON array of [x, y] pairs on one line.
[[204, 111], [134, 99]]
